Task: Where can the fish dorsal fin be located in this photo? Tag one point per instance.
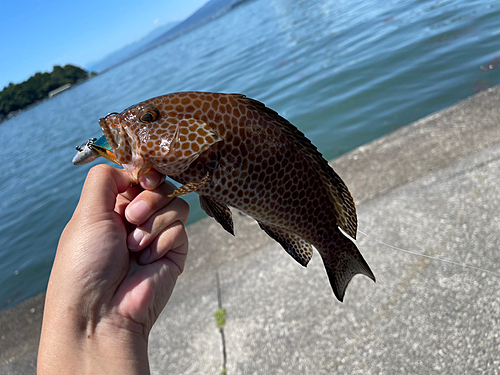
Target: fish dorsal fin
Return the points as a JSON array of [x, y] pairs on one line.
[[299, 249], [345, 211], [219, 211], [191, 138]]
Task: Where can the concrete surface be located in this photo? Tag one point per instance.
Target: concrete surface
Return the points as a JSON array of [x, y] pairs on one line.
[[432, 187]]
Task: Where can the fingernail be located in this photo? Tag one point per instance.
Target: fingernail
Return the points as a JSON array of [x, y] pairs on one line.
[[138, 211], [135, 238], [150, 181], [143, 259]]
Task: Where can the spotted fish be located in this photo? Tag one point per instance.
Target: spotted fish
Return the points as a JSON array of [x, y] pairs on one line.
[[234, 151]]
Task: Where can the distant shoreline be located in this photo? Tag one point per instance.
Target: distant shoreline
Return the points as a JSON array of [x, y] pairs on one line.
[[15, 98], [4, 118], [10, 115]]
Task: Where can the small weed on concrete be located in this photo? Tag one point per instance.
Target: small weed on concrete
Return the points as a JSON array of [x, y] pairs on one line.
[[220, 317]]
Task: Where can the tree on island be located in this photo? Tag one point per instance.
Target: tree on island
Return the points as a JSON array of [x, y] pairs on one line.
[[18, 96]]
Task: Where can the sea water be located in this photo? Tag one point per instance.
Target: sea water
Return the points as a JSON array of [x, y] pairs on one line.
[[344, 72]]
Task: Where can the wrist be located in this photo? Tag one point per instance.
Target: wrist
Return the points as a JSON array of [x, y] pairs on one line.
[[111, 350], [77, 346]]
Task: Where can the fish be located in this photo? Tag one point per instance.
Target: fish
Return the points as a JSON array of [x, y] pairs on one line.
[[233, 151]]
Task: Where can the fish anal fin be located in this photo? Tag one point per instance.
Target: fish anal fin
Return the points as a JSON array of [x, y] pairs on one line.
[[190, 187], [342, 262], [219, 211], [299, 249]]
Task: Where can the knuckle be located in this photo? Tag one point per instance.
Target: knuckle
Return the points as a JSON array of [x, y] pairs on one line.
[[99, 169], [183, 205]]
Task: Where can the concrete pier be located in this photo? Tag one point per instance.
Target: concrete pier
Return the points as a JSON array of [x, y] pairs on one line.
[[432, 187]]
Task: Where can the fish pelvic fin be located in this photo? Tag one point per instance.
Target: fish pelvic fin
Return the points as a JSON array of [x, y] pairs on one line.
[[190, 187], [219, 211], [342, 262], [299, 249]]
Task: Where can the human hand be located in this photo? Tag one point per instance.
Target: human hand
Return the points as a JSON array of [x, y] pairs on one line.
[[116, 265]]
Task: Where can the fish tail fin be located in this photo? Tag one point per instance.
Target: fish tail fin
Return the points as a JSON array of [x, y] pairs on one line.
[[342, 262]]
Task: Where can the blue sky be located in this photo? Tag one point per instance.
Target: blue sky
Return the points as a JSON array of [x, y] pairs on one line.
[[38, 34]]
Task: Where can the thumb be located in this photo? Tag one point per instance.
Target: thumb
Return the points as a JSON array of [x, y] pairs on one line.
[[101, 188]]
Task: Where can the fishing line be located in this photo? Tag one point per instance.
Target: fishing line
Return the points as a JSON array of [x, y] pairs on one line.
[[428, 256]]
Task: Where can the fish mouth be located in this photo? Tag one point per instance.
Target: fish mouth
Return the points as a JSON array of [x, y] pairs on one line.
[[120, 142], [112, 131]]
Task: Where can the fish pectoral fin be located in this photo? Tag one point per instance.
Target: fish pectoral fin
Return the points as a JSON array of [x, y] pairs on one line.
[[219, 211], [190, 187], [299, 249]]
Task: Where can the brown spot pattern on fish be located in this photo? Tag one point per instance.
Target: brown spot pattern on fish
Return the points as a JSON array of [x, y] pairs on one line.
[[234, 151]]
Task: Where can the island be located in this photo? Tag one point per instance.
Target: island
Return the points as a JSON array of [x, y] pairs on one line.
[[40, 86]]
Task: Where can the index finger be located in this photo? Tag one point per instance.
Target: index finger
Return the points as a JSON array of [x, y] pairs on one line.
[[148, 202]]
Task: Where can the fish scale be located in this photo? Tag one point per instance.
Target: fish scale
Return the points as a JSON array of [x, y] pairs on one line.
[[234, 151]]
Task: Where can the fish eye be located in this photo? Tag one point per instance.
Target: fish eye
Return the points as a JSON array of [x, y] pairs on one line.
[[149, 114]]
